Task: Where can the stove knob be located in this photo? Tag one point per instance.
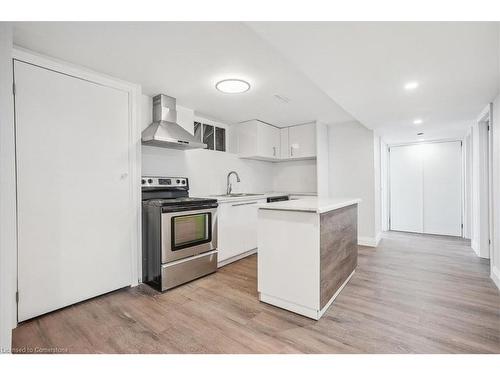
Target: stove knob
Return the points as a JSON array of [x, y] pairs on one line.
[[143, 181], [150, 181], [184, 182], [178, 181]]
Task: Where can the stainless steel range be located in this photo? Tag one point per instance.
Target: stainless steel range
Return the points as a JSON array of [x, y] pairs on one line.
[[179, 233]]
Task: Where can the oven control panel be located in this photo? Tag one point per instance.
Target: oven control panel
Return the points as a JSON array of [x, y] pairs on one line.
[[154, 181]]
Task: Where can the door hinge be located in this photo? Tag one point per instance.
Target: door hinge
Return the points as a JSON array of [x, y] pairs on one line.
[[489, 242], [17, 297], [488, 128], [462, 226], [13, 88]]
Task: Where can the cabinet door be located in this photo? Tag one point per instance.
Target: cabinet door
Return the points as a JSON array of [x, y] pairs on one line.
[[249, 212], [230, 231], [284, 148], [247, 139], [237, 228], [73, 190], [268, 141], [302, 140]]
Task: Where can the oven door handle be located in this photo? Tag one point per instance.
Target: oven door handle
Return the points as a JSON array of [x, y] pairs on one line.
[[192, 208], [244, 204]]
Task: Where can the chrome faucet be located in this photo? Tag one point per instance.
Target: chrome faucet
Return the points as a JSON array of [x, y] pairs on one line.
[[229, 187]]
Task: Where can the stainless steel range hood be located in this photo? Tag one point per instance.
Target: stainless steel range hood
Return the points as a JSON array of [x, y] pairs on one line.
[[165, 131]]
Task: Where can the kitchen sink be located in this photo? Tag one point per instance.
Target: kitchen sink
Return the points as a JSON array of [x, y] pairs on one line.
[[236, 195]]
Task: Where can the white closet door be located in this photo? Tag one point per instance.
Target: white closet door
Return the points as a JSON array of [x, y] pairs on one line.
[[406, 172], [426, 188], [443, 188], [74, 205]]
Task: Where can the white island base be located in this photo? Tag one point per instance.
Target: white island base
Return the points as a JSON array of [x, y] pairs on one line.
[[307, 253]]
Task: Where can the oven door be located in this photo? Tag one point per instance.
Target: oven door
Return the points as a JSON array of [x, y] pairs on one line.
[[187, 233]]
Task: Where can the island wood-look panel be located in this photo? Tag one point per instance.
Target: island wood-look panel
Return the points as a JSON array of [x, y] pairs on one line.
[[338, 249], [412, 294]]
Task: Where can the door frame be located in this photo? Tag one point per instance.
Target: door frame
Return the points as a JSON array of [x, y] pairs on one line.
[[484, 248], [134, 134], [462, 179]]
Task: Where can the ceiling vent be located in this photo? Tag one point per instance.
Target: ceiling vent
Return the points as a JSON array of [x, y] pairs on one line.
[[282, 98]]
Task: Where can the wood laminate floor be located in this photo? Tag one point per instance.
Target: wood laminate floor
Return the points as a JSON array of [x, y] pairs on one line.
[[412, 294]]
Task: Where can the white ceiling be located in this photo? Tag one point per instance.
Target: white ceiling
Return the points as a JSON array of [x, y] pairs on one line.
[[363, 66], [185, 60]]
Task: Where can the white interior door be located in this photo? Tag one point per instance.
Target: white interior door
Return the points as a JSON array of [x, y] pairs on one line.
[[442, 188], [426, 188], [406, 194], [74, 197]]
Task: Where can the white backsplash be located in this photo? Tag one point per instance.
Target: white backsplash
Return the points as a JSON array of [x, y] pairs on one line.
[[207, 171]]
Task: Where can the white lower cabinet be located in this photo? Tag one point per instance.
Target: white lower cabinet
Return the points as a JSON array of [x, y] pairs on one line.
[[237, 229]]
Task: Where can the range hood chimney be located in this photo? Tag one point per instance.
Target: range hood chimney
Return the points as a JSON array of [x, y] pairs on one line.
[[165, 131]]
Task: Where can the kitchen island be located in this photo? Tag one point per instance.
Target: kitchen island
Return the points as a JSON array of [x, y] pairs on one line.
[[307, 252]]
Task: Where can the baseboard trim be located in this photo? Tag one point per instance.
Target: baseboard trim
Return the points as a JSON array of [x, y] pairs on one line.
[[370, 241], [495, 276], [225, 262]]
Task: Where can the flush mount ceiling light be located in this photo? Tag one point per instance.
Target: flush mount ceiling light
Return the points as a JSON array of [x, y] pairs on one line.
[[232, 86], [420, 134], [411, 85], [417, 121]]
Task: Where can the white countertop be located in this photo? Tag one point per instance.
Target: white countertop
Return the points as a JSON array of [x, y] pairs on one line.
[[256, 197], [310, 204]]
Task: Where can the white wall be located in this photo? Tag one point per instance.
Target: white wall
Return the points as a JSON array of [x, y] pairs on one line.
[[207, 169], [7, 192], [295, 176], [322, 160], [352, 173]]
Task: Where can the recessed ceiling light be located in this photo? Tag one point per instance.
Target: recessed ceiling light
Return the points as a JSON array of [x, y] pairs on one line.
[[232, 86], [411, 85], [417, 121], [419, 134]]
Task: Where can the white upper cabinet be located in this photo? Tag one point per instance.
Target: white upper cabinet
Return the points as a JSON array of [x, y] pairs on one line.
[[284, 148], [257, 140], [268, 141], [302, 141]]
